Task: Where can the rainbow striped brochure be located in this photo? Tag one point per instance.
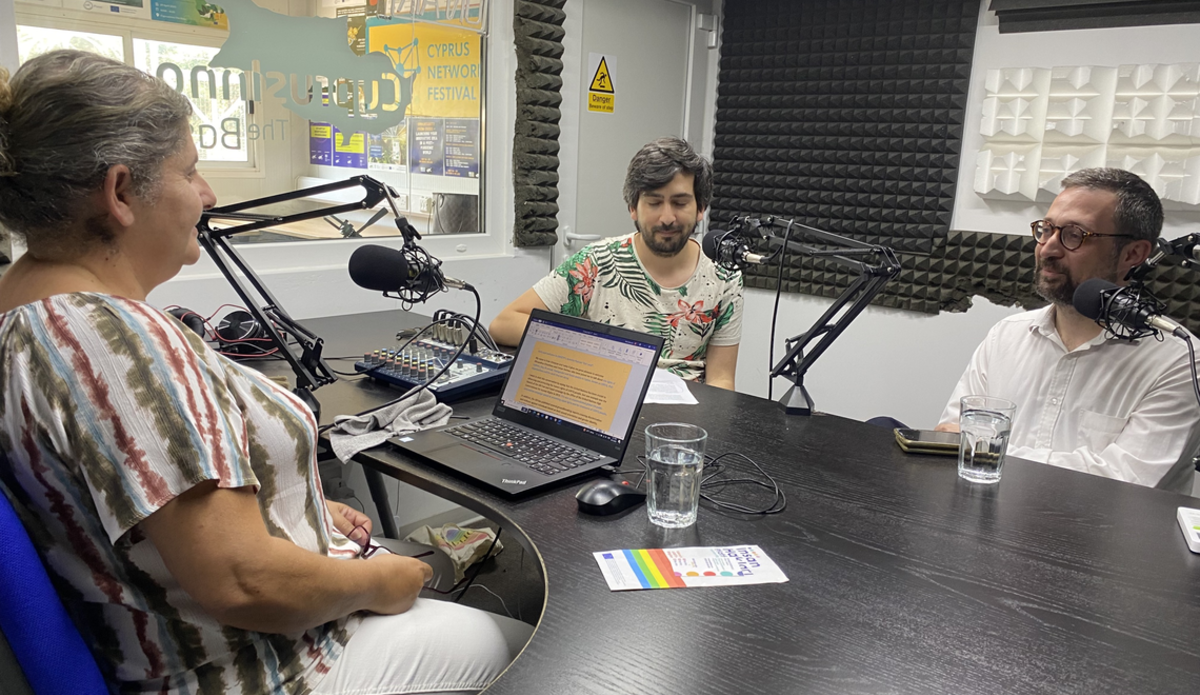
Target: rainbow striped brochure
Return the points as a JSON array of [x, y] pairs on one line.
[[677, 568]]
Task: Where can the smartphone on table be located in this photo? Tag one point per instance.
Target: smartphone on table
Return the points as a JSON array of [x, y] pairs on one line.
[[927, 441]]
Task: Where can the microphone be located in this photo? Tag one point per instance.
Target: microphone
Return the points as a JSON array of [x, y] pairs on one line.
[[409, 272], [728, 250], [378, 268], [1109, 305]]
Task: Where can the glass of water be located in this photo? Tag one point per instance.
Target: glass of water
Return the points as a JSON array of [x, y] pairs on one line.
[[985, 423], [675, 462]]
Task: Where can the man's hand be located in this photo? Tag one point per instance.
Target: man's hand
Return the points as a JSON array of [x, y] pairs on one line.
[[947, 427], [509, 325], [350, 522]]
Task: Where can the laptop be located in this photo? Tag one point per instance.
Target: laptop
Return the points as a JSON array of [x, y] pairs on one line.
[[567, 407]]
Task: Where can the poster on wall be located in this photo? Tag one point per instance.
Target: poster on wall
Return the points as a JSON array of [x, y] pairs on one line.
[[349, 149], [388, 151], [356, 27], [425, 151], [461, 148], [131, 8], [320, 143], [195, 12], [443, 63]]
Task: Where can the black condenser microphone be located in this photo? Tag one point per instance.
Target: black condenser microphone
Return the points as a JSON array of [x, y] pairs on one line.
[[727, 250], [409, 272], [379, 268], [1109, 305]]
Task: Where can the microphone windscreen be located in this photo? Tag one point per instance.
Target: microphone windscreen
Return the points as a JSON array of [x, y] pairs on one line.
[[711, 241], [378, 268], [1089, 299]]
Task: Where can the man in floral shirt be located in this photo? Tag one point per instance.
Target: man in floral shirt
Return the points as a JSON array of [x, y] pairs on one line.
[[653, 280]]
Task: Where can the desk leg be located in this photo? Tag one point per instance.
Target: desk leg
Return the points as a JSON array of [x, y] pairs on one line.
[[380, 497]]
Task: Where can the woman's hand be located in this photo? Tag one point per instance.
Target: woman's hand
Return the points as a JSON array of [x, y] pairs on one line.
[[400, 581], [350, 522]]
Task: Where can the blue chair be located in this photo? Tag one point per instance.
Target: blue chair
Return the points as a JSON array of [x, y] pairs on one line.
[[46, 644]]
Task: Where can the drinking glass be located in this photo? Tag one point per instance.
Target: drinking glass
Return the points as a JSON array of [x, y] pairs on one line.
[[985, 422], [675, 463]]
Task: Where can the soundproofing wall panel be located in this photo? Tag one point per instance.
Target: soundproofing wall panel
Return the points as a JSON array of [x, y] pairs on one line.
[[1040, 125], [1054, 15], [847, 115], [538, 31]]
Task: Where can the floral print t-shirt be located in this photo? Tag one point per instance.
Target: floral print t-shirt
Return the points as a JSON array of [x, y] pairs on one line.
[[606, 282]]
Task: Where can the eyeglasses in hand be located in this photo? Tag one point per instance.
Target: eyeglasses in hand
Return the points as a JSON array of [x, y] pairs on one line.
[[1071, 236], [369, 548]]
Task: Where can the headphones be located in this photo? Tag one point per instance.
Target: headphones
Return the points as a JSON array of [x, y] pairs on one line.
[[189, 318], [237, 334]]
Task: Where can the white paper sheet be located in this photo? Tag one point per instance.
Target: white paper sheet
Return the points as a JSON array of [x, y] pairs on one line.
[[666, 387]]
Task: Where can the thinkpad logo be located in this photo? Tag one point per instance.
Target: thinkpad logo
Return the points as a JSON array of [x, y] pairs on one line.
[[510, 481]]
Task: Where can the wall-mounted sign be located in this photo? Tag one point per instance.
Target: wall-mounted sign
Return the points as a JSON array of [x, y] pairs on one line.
[[320, 143], [195, 12], [601, 95], [461, 147], [349, 149], [129, 8], [443, 65], [426, 137]]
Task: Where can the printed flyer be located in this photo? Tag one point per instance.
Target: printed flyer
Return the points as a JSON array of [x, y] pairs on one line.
[[678, 568]]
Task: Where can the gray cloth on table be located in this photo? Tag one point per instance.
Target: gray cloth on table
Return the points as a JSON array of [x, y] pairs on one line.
[[353, 433]]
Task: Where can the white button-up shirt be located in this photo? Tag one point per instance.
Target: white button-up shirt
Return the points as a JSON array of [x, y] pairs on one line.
[[1109, 407]]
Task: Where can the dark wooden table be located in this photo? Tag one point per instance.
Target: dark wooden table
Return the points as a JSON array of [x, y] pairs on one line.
[[902, 578]]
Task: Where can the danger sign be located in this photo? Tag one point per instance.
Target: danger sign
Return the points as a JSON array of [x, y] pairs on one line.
[[602, 94]]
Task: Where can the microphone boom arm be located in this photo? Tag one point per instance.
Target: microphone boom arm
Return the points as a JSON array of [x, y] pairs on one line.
[[309, 367], [873, 275]]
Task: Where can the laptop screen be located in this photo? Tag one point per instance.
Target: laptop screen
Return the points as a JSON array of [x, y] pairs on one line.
[[586, 380]]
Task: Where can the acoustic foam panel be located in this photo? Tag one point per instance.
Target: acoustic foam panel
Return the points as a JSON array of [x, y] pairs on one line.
[[847, 115], [537, 27]]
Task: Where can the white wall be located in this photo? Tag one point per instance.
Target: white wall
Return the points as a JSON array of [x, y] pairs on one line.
[[9, 58], [888, 362]]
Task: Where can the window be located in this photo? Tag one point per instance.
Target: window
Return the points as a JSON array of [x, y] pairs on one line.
[[34, 41], [252, 146], [219, 123]]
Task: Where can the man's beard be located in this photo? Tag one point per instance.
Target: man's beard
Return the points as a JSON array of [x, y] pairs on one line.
[[665, 247], [1063, 293]]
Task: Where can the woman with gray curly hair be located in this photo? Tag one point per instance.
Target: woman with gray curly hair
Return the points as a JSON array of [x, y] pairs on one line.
[[171, 492]]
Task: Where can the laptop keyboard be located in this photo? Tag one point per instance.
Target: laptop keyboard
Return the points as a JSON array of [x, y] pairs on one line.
[[540, 453]]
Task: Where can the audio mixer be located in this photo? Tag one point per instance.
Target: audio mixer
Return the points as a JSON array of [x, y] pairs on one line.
[[417, 362]]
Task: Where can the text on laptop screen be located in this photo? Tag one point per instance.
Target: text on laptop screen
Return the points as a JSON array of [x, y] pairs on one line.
[[592, 381]]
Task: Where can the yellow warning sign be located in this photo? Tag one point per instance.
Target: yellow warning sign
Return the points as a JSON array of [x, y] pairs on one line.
[[604, 103], [602, 81]]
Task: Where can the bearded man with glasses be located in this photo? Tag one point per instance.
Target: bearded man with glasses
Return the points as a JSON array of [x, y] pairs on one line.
[[1087, 402]]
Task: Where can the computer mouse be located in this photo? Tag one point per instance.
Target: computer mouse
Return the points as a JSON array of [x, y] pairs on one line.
[[607, 496]]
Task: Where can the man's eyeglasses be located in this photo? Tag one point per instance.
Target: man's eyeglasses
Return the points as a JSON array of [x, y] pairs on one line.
[[1069, 235]]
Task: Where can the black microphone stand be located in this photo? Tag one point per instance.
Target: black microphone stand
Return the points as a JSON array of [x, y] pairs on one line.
[[310, 368], [1163, 248], [873, 274]]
